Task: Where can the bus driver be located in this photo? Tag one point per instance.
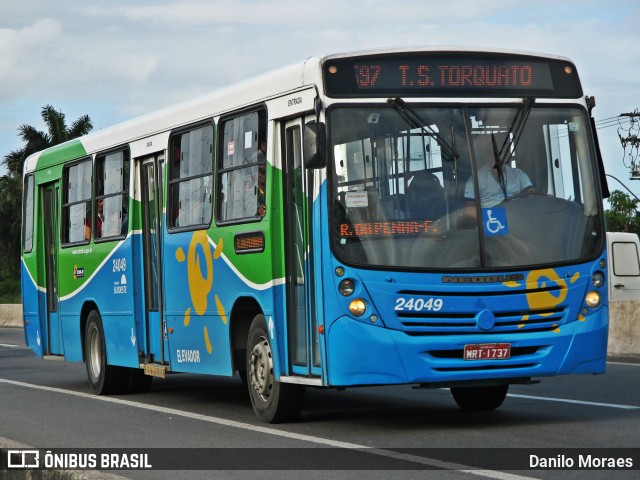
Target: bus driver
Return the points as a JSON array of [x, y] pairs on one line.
[[493, 189]]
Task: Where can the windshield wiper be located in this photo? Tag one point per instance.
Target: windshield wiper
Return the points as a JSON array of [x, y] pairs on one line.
[[513, 136], [413, 119]]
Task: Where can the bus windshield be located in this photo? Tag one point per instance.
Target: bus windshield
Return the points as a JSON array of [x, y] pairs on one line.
[[457, 187]]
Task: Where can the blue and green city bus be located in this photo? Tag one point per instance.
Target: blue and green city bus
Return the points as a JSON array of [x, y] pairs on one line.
[[428, 216]]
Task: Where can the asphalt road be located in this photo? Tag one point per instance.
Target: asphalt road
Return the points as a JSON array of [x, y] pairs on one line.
[[49, 405]]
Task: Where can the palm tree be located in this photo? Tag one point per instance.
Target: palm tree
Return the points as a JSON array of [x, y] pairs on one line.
[[37, 140], [11, 185]]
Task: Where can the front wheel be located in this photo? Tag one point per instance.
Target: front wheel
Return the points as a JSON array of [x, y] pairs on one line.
[[477, 399], [272, 401]]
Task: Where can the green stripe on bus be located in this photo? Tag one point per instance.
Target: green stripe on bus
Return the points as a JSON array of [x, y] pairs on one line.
[[61, 153]]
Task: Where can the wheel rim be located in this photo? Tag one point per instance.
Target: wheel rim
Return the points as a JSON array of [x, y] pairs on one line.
[[262, 369], [95, 353]]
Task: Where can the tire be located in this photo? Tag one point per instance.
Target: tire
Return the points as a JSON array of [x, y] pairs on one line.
[[479, 399], [272, 401], [105, 379]]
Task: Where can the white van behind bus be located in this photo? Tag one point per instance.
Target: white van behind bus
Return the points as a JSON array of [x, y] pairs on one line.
[[623, 250]]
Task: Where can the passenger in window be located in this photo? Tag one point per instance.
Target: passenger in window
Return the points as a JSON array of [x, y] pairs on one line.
[[88, 221], [262, 169], [260, 157], [495, 186], [99, 217], [425, 195], [87, 224], [125, 221]]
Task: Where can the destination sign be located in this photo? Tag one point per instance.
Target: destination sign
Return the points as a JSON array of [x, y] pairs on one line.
[[454, 74]]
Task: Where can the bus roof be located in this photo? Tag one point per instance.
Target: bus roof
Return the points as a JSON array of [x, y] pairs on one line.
[[249, 92], [246, 93]]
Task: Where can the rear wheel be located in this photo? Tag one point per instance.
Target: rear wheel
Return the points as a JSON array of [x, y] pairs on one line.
[[477, 399], [272, 401], [105, 379]]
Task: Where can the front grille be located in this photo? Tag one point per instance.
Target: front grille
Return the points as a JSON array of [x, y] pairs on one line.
[[508, 311], [513, 321]]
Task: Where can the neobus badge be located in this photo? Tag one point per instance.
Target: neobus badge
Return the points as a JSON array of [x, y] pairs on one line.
[[483, 279]]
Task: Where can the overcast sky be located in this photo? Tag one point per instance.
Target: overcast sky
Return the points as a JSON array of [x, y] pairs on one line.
[[116, 59]]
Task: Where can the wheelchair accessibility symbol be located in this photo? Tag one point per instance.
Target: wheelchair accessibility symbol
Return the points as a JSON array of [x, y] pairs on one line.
[[495, 221]]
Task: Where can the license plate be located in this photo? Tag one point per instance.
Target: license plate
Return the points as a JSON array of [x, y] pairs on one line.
[[487, 351]]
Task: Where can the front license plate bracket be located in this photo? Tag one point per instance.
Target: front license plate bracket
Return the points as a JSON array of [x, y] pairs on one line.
[[487, 351]]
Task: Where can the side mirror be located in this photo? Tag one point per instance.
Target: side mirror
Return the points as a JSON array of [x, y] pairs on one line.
[[314, 145]]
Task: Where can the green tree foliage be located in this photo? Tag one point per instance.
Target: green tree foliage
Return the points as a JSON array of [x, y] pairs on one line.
[[622, 216], [11, 191]]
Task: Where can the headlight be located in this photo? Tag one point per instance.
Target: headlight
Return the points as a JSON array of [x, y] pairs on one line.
[[346, 287], [598, 279], [592, 299], [357, 307]]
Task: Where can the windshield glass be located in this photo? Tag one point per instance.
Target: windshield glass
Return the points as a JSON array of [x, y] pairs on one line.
[[463, 188]]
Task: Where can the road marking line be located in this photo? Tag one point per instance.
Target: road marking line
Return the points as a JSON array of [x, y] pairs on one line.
[[432, 462], [8, 345], [628, 364], [581, 402]]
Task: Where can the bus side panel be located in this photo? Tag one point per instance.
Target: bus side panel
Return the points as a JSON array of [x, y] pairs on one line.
[[32, 306], [197, 321], [202, 287], [117, 307], [106, 280]]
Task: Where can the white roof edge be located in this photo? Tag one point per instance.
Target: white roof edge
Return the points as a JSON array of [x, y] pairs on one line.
[[30, 163], [217, 102], [214, 103], [440, 49]]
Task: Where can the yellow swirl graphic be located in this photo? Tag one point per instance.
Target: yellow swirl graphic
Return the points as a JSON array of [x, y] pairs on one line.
[[546, 300], [540, 301], [199, 284], [201, 279]]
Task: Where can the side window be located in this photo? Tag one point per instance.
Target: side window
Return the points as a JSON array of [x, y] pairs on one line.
[[112, 200], [76, 202], [242, 167], [28, 214], [625, 259], [191, 178]]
